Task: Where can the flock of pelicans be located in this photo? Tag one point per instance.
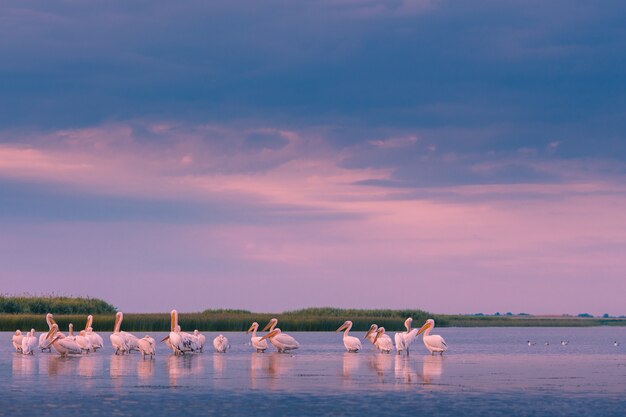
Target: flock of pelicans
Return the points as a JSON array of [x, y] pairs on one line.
[[181, 342]]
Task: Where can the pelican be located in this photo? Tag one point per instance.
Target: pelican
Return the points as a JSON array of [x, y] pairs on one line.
[[63, 345], [181, 342], [616, 343], [220, 343], [404, 339], [29, 342], [83, 341], [434, 343], [352, 344], [146, 346], [94, 338], [531, 343], [383, 341], [123, 342], [201, 339], [271, 324], [17, 340], [43, 343], [371, 333], [564, 342], [257, 343], [281, 341]]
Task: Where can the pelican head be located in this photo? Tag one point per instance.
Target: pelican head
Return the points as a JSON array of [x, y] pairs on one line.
[[18, 332], [379, 332], [89, 321], [119, 316], [50, 319], [271, 334], [347, 324], [52, 332], [196, 332], [372, 329], [407, 323], [255, 326], [82, 333], [430, 323], [272, 323]]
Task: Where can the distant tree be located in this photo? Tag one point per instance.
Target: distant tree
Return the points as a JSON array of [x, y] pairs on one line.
[[509, 313], [497, 313], [605, 316], [585, 315]]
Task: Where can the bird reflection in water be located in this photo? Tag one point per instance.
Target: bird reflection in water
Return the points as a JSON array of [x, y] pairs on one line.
[[145, 369], [120, 367], [59, 365], [89, 366], [432, 368], [24, 364], [404, 370], [381, 364], [350, 368], [270, 367], [179, 367]]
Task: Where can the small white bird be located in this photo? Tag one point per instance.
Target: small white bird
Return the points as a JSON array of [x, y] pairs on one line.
[[616, 343], [383, 341], [547, 343], [531, 343], [29, 343], [257, 343], [564, 342], [404, 339], [220, 343], [17, 340], [351, 343], [147, 346]]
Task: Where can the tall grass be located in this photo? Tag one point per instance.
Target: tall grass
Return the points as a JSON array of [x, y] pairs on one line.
[[53, 304], [227, 320]]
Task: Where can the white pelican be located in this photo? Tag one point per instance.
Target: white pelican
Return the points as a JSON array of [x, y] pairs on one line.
[[404, 339], [281, 341], [352, 344], [181, 342], [257, 343], [123, 342], [616, 343], [17, 340], [434, 343], [83, 341], [220, 343], [564, 342], [146, 346], [94, 338], [29, 342], [383, 341], [43, 343], [371, 333], [531, 343], [201, 339], [63, 345]]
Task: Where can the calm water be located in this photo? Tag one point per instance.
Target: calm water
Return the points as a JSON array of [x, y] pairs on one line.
[[488, 371]]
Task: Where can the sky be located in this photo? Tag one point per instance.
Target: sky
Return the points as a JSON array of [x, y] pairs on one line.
[[458, 157]]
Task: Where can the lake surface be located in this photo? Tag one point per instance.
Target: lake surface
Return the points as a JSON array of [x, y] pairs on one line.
[[487, 371]]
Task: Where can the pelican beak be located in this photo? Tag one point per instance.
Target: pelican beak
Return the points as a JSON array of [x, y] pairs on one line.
[[165, 338], [424, 327], [50, 333], [250, 329], [377, 336], [369, 332], [270, 334], [267, 326], [173, 323], [342, 327]]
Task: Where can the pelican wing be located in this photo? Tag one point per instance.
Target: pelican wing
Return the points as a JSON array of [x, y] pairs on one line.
[[285, 341], [352, 344]]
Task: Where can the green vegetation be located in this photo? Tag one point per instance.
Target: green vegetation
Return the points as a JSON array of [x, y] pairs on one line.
[[53, 304], [311, 319]]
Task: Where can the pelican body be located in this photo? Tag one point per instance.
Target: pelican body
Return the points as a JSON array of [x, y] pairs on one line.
[[16, 340], [404, 339], [383, 341], [94, 338], [123, 342], [257, 343], [220, 343], [434, 343], [181, 342], [29, 343], [281, 341], [201, 339], [63, 345], [43, 343], [352, 344], [147, 346]]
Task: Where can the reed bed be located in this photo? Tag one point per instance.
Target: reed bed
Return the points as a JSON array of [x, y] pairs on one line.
[[229, 320], [55, 304]]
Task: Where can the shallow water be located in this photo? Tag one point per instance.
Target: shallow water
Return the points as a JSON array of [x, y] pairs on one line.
[[488, 371]]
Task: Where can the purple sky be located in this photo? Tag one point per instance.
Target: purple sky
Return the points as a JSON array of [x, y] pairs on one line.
[[457, 157]]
